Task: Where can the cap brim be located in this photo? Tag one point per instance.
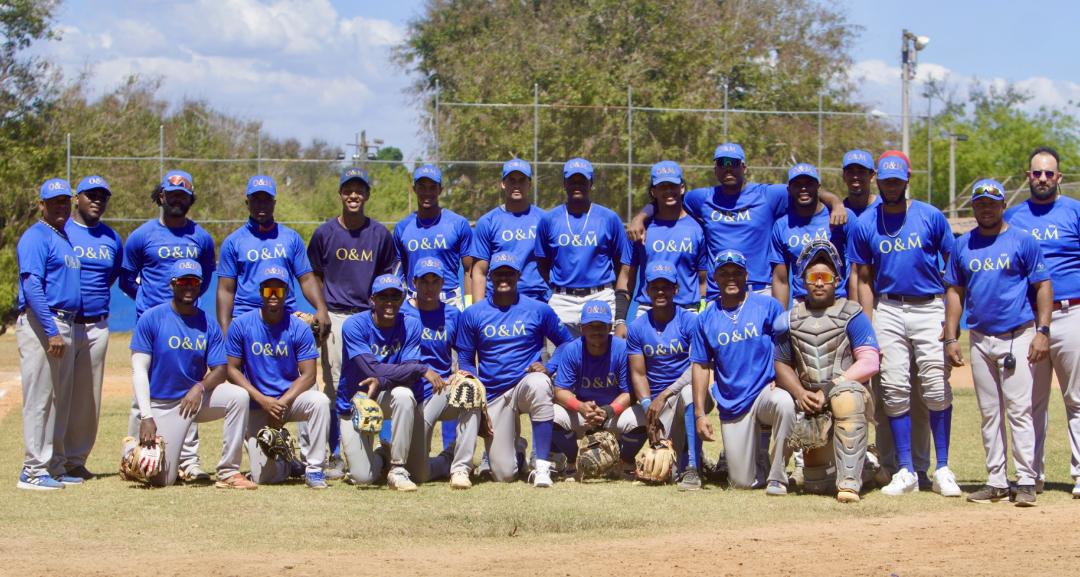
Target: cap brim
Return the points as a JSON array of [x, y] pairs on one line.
[[511, 267], [664, 179], [170, 188]]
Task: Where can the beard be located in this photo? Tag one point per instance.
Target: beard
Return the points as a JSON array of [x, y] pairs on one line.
[[899, 200], [1048, 193]]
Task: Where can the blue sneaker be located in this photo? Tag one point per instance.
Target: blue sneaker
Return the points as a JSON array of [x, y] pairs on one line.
[[69, 479], [39, 483], [316, 480]]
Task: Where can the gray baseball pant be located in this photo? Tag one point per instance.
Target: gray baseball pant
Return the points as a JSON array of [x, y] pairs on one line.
[[438, 408], [1003, 394], [46, 388], [311, 407], [630, 419], [532, 395], [569, 307], [406, 439], [189, 454], [774, 407], [227, 401], [91, 342], [1064, 361]]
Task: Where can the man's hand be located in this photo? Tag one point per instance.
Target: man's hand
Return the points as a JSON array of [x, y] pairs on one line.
[[652, 417], [837, 213], [437, 382], [369, 386], [620, 330], [537, 367], [1039, 348], [192, 401], [322, 318], [810, 402], [147, 432], [953, 354], [56, 346], [704, 428], [273, 407], [635, 231]]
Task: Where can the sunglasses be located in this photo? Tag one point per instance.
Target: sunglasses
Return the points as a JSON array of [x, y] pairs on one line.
[[272, 291], [990, 190], [729, 162], [1040, 173], [823, 277], [187, 282], [177, 180]]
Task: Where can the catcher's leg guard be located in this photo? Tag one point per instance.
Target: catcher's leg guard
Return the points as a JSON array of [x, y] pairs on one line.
[[819, 472], [850, 434]]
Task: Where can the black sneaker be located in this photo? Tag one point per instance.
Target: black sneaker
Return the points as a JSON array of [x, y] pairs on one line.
[[80, 472], [925, 484], [1025, 496], [690, 481], [989, 494]]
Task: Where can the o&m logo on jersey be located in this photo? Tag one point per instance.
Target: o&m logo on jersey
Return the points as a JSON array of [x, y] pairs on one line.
[[365, 255], [1002, 262], [598, 382], [100, 252], [672, 347], [806, 238], [265, 253], [686, 245], [439, 242], [178, 252], [1048, 233], [887, 245], [587, 239], [187, 343], [438, 334], [731, 215], [72, 262], [383, 351], [279, 349], [748, 331], [501, 330], [508, 235]]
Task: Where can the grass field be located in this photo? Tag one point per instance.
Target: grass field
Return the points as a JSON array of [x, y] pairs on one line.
[[108, 518]]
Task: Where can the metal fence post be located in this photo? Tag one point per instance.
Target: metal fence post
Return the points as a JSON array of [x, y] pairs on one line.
[[258, 151], [436, 131], [725, 109], [629, 153], [929, 152], [536, 143], [820, 127], [68, 142], [161, 151]]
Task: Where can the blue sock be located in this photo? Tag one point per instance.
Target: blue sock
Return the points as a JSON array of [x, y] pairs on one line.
[[901, 434], [941, 429], [334, 437], [630, 444], [566, 443], [542, 439], [449, 432], [693, 445], [384, 434]]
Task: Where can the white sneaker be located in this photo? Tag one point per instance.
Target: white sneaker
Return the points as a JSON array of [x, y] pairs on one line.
[[398, 480], [945, 483], [460, 480], [1076, 489], [903, 482], [541, 475]]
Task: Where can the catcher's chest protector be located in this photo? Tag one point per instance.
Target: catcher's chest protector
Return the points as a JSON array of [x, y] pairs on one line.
[[819, 341]]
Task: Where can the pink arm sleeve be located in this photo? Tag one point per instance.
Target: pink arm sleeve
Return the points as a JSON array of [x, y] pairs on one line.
[[867, 362]]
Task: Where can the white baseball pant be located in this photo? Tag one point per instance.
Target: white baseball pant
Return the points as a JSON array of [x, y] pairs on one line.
[[226, 401], [311, 407], [46, 390], [1064, 361]]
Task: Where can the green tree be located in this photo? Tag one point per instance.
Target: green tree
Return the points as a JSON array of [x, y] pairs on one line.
[[389, 153]]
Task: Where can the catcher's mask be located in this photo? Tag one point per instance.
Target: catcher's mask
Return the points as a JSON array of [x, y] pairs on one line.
[[819, 250]]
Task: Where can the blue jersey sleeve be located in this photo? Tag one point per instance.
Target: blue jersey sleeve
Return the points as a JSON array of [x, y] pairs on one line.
[[481, 240], [410, 349], [227, 267], [623, 252], [133, 252], [303, 340], [703, 253], [399, 248], [633, 339], [299, 259], [859, 251], [1031, 260], [207, 258], [954, 270], [215, 344], [693, 201], [355, 338], [465, 238], [33, 254], [566, 373], [554, 330], [777, 253], [118, 259], [699, 345], [465, 343], [142, 338], [946, 242], [777, 197], [622, 372], [860, 332], [543, 230], [234, 340]]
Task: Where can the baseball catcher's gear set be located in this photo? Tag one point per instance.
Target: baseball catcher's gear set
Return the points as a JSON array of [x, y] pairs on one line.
[[598, 454], [141, 463], [466, 392], [367, 415], [656, 463]]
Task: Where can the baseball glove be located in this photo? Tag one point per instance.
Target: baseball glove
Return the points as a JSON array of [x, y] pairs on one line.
[[598, 454], [810, 431], [467, 392], [367, 415], [275, 443], [656, 462], [140, 463], [311, 321]]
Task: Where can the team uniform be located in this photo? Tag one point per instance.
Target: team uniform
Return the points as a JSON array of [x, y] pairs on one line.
[[270, 357], [859, 211], [665, 349], [680, 242], [500, 230], [100, 253], [447, 238], [1056, 227], [497, 345], [599, 379], [171, 353], [49, 298], [996, 273], [738, 345], [792, 232], [244, 251]]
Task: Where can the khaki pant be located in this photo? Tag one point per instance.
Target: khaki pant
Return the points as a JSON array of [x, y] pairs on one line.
[[46, 389], [227, 401], [438, 408], [533, 396], [742, 436], [91, 343], [310, 407], [406, 439]]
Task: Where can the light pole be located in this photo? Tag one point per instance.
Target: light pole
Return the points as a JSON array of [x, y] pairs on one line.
[[361, 145], [910, 45], [953, 138]]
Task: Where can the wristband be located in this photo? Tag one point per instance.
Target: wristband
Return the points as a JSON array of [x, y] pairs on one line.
[[574, 405], [616, 409], [949, 341], [622, 305], [645, 403]]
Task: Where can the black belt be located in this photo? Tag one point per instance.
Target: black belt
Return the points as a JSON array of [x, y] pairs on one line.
[[62, 314], [91, 319], [910, 300], [351, 311], [580, 292]]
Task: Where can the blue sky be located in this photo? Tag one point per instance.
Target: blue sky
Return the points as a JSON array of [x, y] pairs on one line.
[[320, 68]]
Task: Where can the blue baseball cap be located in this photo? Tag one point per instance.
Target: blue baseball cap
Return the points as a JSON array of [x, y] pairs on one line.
[[386, 282], [93, 183], [577, 166], [186, 267], [665, 171], [262, 183], [178, 180], [892, 167], [504, 258], [596, 311], [428, 171], [53, 188], [661, 270], [428, 265], [802, 169], [729, 150], [859, 157], [988, 188], [354, 172], [728, 256], [271, 270], [516, 165]]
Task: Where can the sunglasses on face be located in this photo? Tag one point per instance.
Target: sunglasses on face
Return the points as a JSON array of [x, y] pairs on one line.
[[187, 282], [1041, 173], [823, 277], [272, 291], [729, 163]]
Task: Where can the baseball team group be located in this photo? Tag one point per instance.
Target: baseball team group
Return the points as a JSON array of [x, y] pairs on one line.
[[800, 316]]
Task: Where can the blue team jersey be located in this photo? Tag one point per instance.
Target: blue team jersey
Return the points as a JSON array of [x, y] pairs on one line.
[[270, 354], [593, 378], [49, 256], [503, 231], [446, 238], [436, 339], [360, 336], [740, 350], [497, 344], [181, 349], [246, 248], [904, 249], [582, 250], [680, 242], [349, 261], [1056, 227], [666, 347], [150, 251], [741, 222], [996, 272], [791, 233], [100, 253], [861, 211]]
